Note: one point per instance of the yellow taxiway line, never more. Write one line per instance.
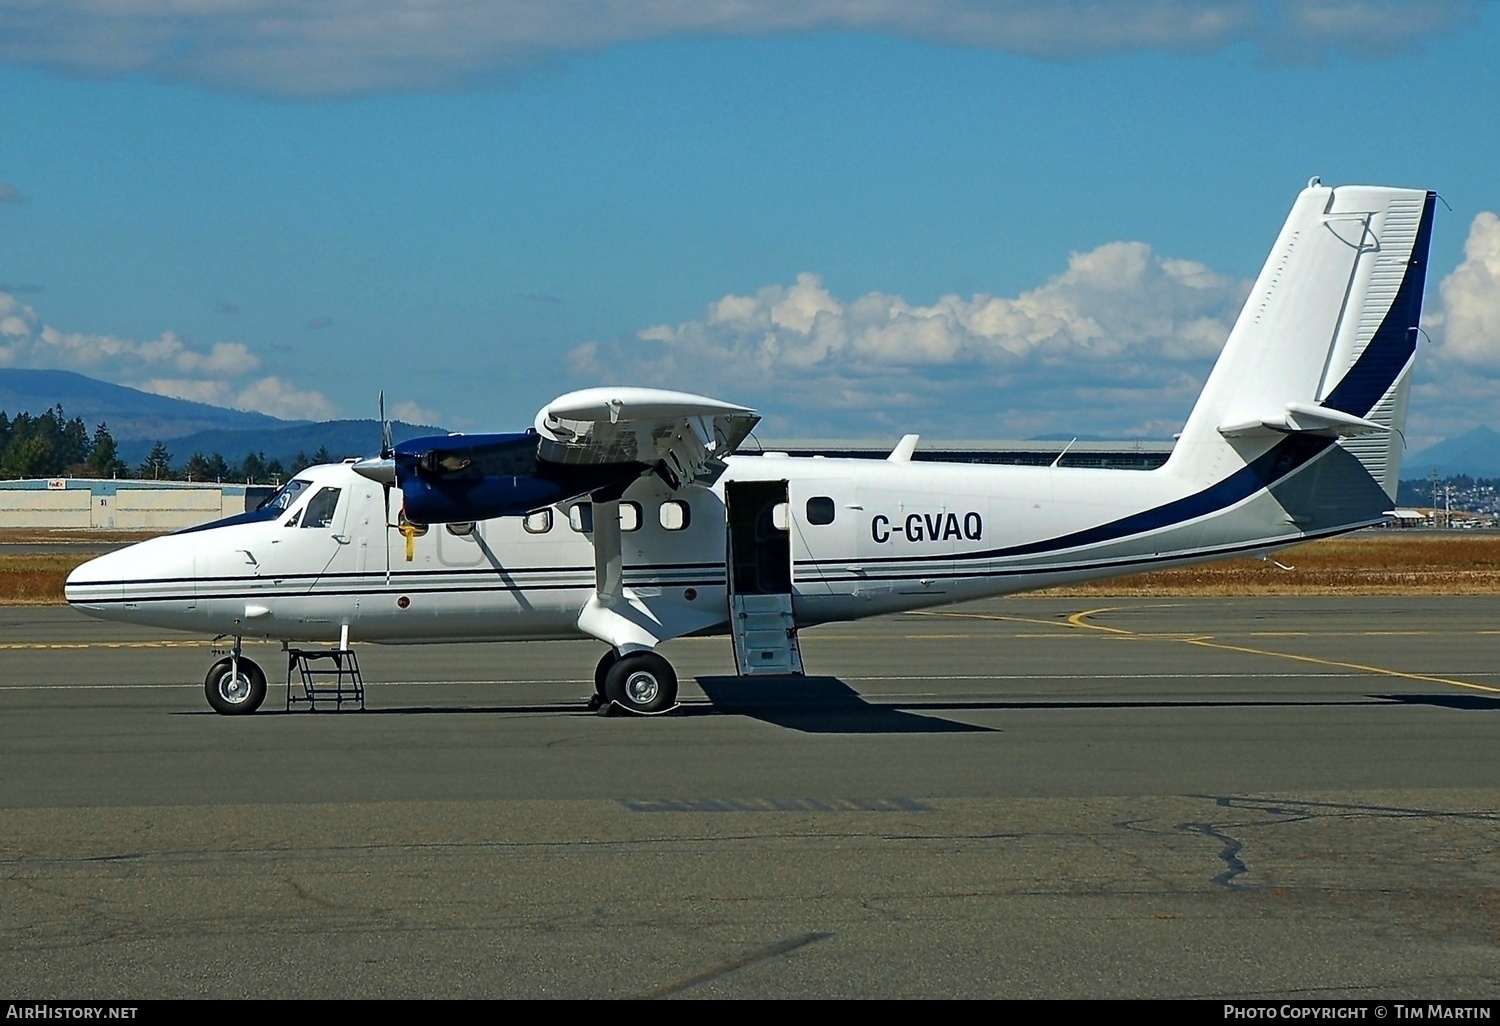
(1080, 620)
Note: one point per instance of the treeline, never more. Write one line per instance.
(51, 445)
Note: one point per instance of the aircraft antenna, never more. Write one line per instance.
(1058, 461)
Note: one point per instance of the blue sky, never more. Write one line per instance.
(479, 206)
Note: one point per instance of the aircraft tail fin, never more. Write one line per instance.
(1325, 343)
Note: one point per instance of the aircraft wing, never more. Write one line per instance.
(684, 437)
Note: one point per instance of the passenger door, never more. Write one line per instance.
(759, 565)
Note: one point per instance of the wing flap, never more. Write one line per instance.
(684, 436)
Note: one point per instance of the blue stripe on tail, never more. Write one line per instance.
(1392, 345)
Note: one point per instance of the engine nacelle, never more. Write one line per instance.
(448, 479)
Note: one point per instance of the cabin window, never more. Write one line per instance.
(321, 508)
(462, 530)
(630, 516)
(675, 515)
(538, 521)
(820, 510)
(781, 518)
(581, 517)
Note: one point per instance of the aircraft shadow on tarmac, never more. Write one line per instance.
(815, 705)
(827, 705)
(1462, 702)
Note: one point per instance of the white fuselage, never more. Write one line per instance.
(1297, 434)
(903, 535)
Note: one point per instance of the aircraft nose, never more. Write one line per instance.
(96, 582)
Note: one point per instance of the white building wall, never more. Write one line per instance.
(74, 504)
(53, 508)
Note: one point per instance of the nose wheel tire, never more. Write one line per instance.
(235, 694)
(641, 682)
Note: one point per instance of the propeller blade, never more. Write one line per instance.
(386, 445)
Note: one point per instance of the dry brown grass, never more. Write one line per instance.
(36, 580)
(90, 536)
(1369, 563)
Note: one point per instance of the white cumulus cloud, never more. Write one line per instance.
(290, 47)
(215, 393)
(1467, 325)
(411, 413)
(281, 398)
(1458, 373)
(222, 374)
(1117, 342)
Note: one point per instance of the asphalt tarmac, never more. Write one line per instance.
(1225, 798)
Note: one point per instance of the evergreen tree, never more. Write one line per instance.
(104, 458)
(74, 447)
(217, 469)
(158, 463)
(26, 456)
(12, 459)
(196, 468)
(253, 468)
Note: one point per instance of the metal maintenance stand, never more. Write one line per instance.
(339, 682)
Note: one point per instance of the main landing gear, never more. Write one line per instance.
(637, 682)
(235, 686)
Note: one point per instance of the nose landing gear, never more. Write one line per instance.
(235, 686)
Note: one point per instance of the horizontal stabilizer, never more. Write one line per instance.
(1303, 418)
(685, 437)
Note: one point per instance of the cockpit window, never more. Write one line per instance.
(274, 509)
(289, 493)
(321, 508)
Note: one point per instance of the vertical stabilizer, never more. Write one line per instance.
(1324, 344)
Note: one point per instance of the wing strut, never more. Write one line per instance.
(611, 614)
(624, 620)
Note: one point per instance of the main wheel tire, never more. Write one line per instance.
(601, 673)
(235, 694)
(642, 682)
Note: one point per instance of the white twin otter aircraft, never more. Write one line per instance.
(624, 516)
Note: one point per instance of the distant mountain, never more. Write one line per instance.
(1475, 452)
(130, 413)
(137, 420)
(341, 437)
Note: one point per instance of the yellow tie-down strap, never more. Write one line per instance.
(409, 531)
